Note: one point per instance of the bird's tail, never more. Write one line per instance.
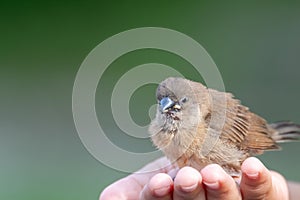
(285, 131)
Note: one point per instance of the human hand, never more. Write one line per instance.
(211, 183)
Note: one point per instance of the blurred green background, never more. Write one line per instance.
(255, 44)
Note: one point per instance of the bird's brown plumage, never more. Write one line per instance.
(211, 127)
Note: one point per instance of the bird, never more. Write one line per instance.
(196, 126)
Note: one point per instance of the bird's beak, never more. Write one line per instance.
(165, 103)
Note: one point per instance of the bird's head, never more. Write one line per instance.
(176, 104)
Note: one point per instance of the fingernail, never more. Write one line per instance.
(189, 188)
(252, 175)
(213, 186)
(160, 192)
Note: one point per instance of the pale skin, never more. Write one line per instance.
(210, 183)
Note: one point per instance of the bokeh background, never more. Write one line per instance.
(255, 44)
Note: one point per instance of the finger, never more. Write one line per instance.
(159, 187)
(161, 165)
(280, 187)
(131, 186)
(218, 184)
(187, 184)
(256, 180)
(294, 190)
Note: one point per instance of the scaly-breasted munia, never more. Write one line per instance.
(196, 126)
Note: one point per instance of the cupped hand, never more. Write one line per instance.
(212, 182)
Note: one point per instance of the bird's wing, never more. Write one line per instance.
(241, 127)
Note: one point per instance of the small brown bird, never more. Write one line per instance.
(196, 126)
